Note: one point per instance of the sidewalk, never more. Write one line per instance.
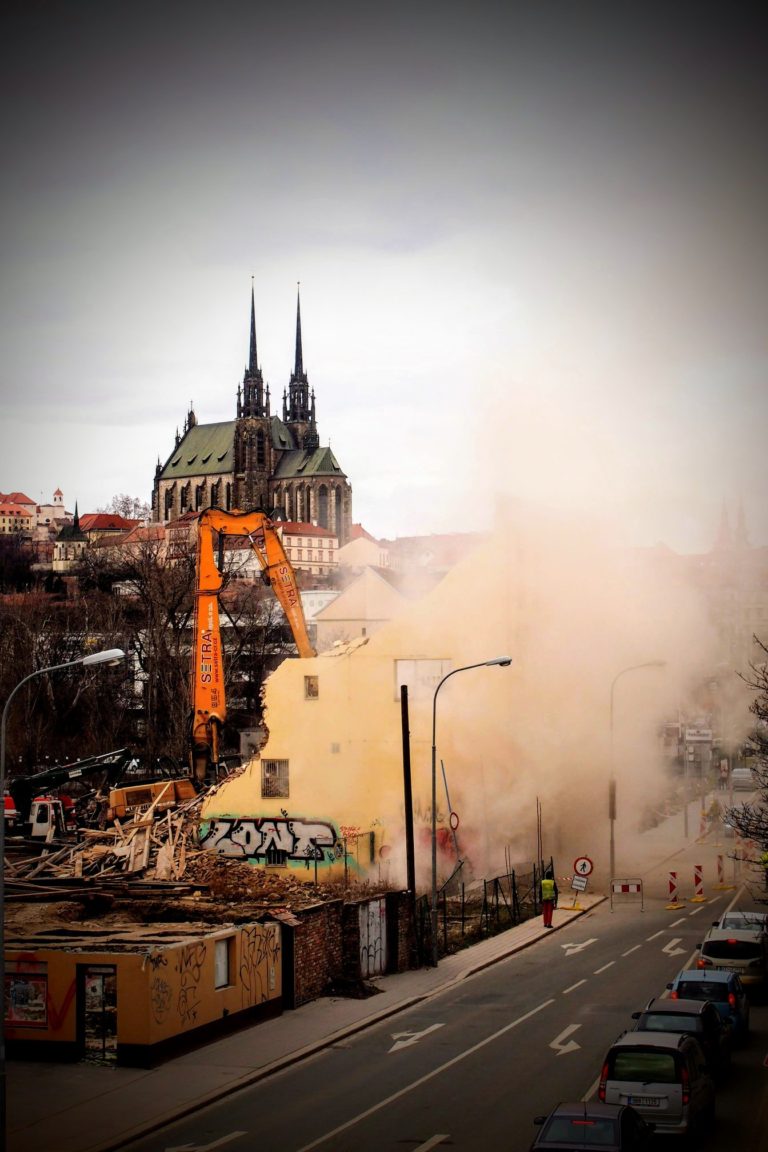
(84, 1108)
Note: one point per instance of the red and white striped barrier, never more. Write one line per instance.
(720, 870)
(674, 897)
(633, 887)
(698, 884)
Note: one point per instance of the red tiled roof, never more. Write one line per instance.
(299, 528)
(359, 533)
(144, 532)
(15, 498)
(102, 521)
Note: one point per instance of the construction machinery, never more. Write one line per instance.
(40, 815)
(209, 709)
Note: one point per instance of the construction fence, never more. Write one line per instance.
(470, 910)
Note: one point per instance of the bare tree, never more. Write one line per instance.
(131, 507)
(156, 597)
(751, 819)
(71, 713)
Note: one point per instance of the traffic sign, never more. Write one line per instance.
(583, 866)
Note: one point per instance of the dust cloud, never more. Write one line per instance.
(579, 615)
(574, 612)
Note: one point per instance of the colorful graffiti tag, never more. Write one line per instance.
(265, 840)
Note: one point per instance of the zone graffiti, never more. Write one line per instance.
(264, 839)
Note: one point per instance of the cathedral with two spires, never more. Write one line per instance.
(259, 461)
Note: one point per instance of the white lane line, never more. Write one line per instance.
(656, 935)
(425, 1079)
(675, 923)
(695, 911)
(431, 1143)
(597, 971)
(631, 950)
(578, 984)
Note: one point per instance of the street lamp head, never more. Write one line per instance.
(111, 656)
(503, 661)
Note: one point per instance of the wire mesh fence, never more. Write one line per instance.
(471, 910)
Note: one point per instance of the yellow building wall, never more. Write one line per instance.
(162, 992)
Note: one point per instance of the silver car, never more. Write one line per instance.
(664, 1076)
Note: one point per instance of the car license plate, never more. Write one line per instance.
(645, 1101)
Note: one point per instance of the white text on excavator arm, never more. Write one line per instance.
(207, 680)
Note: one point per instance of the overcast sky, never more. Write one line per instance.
(531, 240)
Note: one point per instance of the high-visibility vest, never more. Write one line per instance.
(547, 889)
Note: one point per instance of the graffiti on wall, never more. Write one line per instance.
(373, 938)
(266, 840)
(259, 952)
(189, 968)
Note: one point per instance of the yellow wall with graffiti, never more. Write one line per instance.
(161, 992)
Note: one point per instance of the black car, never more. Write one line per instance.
(698, 1017)
(611, 1127)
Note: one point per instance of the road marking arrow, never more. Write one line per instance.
(572, 948)
(411, 1037)
(206, 1147)
(561, 1044)
(670, 949)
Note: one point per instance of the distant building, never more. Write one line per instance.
(259, 461)
(97, 525)
(70, 546)
(15, 520)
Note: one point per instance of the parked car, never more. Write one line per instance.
(738, 919)
(740, 950)
(612, 1127)
(664, 1075)
(724, 989)
(742, 778)
(699, 1018)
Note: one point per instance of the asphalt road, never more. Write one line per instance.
(471, 1067)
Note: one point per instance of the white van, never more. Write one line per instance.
(664, 1076)
(741, 950)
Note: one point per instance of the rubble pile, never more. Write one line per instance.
(153, 843)
(152, 866)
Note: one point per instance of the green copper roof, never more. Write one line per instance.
(320, 462)
(205, 450)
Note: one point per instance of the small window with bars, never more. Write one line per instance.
(274, 778)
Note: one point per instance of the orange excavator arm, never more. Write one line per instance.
(208, 696)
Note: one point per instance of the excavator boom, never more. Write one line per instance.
(208, 693)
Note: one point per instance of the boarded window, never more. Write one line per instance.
(421, 677)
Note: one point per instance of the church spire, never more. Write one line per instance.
(724, 537)
(299, 367)
(251, 402)
(741, 537)
(253, 360)
(298, 412)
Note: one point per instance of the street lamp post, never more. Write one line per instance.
(612, 779)
(111, 656)
(504, 662)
